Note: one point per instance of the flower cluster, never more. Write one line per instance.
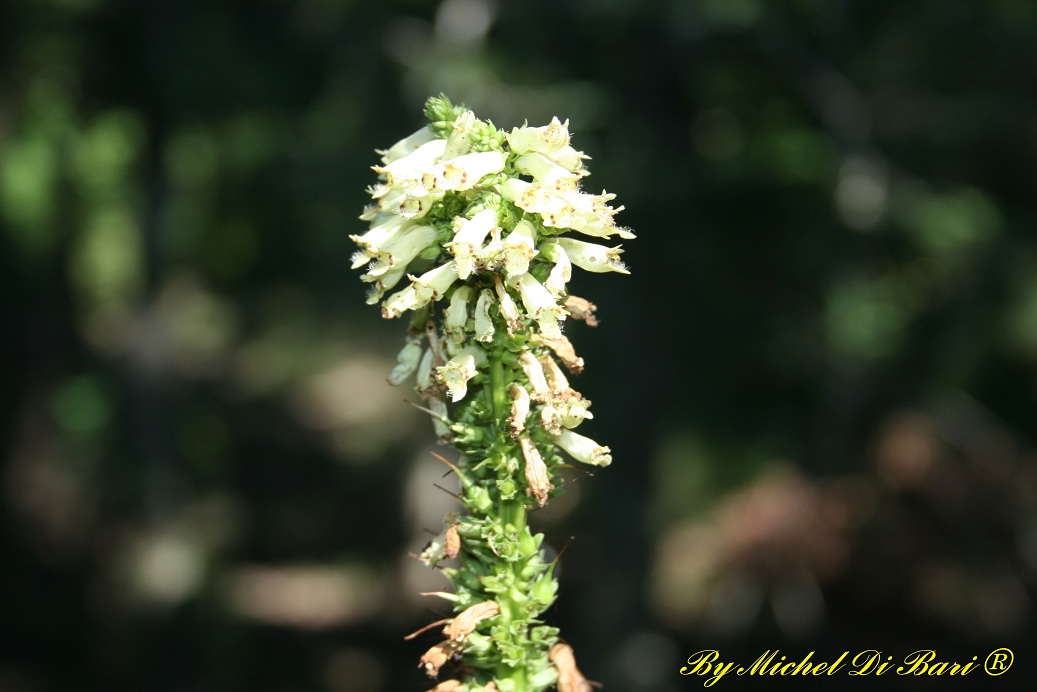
(474, 232)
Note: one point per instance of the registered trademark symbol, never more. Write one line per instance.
(999, 661)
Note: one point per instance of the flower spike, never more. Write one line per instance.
(474, 232)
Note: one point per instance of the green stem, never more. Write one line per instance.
(511, 512)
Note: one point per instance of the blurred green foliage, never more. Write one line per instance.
(208, 485)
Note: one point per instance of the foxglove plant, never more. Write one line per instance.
(477, 221)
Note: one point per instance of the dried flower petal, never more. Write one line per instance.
(537, 477)
(436, 657)
(465, 622)
(570, 679)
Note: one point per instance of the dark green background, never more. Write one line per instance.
(818, 383)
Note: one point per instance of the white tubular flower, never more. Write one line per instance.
(400, 302)
(415, 207)
(384, 282)
(540, 305)
(383, 228)
(456, 315)
(548, 138)
(548, 173)
(532, 197)
(518, 249)
(407, 145)
(507, 306)
(459, 369)
(561, 273)
(401, 249)
(433, 284)
(440, 415)
(557, 380)
(569, 158)
(593, 258)
(468, 239)
(583, 449)
(574, 411)
(463, 172)
(424, 289)
(424, 378)
(535, 374)
(491, 255)
(406, 362)
(484, 328)
(519, 408)
(413, 164)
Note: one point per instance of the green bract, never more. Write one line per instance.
(471, 235)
